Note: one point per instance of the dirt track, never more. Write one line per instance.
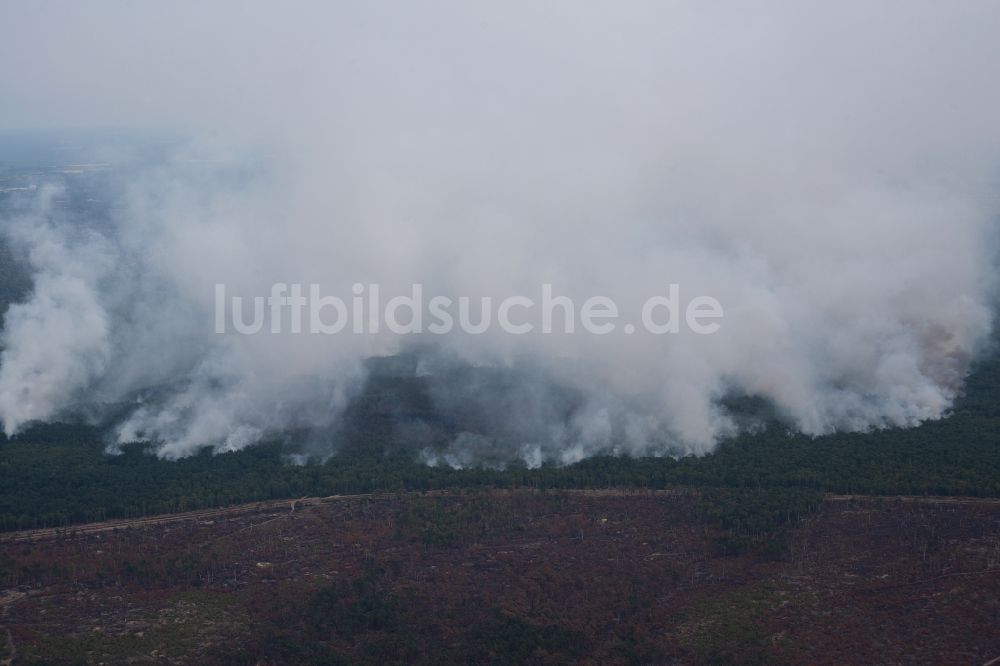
(288, 505)
(270, 506)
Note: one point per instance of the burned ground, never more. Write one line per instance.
(513, 577)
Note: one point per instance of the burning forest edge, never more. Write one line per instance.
(59, 474)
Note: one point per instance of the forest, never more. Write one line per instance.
(59, 474)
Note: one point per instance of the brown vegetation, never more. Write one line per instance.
(510, 577)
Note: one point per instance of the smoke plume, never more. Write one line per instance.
(828, 173)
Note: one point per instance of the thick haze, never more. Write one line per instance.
(828, 171)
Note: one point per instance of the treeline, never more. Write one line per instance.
(59, 474)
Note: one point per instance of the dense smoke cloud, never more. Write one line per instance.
(827, 172)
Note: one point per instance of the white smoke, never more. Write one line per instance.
(55, 344)
(827, 172)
